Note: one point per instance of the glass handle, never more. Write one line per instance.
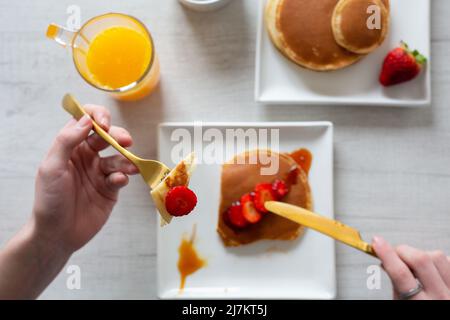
(61, 35)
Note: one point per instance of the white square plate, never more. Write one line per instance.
(300, 269)
(279, 80)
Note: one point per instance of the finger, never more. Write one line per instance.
(423, 267)
(442, 265)
(402, 278)
(115, 181)
(117, 163)
(122, 136)
(68, 138)
(100, 114)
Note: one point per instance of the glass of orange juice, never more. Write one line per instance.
(113, 52)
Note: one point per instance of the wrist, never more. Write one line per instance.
(48, 245)
(31, 260)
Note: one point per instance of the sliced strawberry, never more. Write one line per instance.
(248, 208)
(280, 188)
(263, 193)
(234, 216)
(180, 201)
(401, 65)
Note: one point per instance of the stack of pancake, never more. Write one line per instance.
(240, 175)
(326, 35)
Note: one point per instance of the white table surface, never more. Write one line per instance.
(392, 165)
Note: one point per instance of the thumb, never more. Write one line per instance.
(70, 137)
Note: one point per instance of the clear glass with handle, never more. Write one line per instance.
(113, 52)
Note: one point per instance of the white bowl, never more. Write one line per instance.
(204, 5)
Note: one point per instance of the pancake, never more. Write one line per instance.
(350, 29)
(178, 176)
(239, 176)
(301, 30)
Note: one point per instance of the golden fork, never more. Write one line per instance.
(152, 171)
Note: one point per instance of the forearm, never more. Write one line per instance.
(28, 263)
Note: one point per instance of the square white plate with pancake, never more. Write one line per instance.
(280, 81)
(304, 268)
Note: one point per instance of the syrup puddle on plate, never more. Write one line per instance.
(304, 158)
(189, 260)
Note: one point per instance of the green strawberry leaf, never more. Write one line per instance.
(420, 58)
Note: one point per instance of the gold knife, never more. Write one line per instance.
(329, 227)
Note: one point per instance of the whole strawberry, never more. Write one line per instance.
(401, 65)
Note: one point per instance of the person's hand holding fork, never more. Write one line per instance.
(75, 192)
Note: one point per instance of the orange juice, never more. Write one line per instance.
(113, 52)
(118, 56)
(144, 87)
